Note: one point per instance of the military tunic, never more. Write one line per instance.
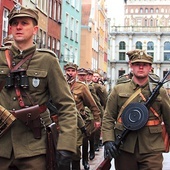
(45, 80)
(149, 138)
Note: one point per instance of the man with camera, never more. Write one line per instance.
(28, 79)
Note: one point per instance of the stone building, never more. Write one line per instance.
(146, 26)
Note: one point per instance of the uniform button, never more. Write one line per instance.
(13, 109)
(14, 98)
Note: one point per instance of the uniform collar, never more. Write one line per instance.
(22, 54)
(136, 86)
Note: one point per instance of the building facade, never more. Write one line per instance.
(146, 26)
(70, 32)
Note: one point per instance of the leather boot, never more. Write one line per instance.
(85, 154)
(75, 165)
(92, 151)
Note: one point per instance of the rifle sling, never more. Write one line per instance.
(128, 101)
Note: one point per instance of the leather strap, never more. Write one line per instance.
(128, 101)
(9, 62)
(149, 123)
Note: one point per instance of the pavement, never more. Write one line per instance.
(99, 158)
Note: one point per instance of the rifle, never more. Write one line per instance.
(143, 108)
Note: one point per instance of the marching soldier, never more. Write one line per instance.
(83, 99)
(28, 78)
(142, 148)
(102, 95)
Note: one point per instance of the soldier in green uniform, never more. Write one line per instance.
(142, 149)
(83, 99)
(28, 78)
(91, 85)
(102, 95)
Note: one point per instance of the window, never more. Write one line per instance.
(122, 52)
(122, 45)
(146, 23)
(67, 25)
(77, 31)
(138, 45)
(55, 10)
(44, 40)
(73, 3)
(5, 23)
(121, 72)
(146, 10)
(122, 56)
(167, 51)
(151, 10)
(59, 12)
(72, 29)
(49, 42)
(141, 10)
(150, 48)
(50, 8)
(66, 53)
(54, 45)
(77, 5)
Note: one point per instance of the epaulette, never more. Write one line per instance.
(120, 81)
(47, 51)
(5, 48)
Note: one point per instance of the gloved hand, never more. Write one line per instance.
(110, 150)
(83, 131)
(63, 157)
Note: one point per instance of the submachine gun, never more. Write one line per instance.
(134, 117)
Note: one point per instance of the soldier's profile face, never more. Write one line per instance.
(71, 72)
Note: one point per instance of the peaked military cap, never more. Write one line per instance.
(139, 56)
(89, 71)
(20, 11)
(81, 71)
(70, 65)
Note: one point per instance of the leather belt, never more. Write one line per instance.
(149, 123)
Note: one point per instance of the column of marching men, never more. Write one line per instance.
(90, 96)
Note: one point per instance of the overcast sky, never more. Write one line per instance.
(116, 10)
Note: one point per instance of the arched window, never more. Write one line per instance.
(122, 45)
(139, 45)
(150, 48)
(122, 50)
(167, 51)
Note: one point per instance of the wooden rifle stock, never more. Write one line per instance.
(105, 165)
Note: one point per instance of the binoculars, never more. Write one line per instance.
(17, 78)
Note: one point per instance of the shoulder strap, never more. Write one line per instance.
(151, 108)
(9, 62)
(128, 101)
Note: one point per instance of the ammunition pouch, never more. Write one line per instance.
(30, 116)
(6, 120)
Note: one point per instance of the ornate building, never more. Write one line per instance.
(146, 26)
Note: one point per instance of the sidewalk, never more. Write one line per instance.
(99, 158)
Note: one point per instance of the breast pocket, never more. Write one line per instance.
(3, 72)
(122, 98)
(37, 79)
